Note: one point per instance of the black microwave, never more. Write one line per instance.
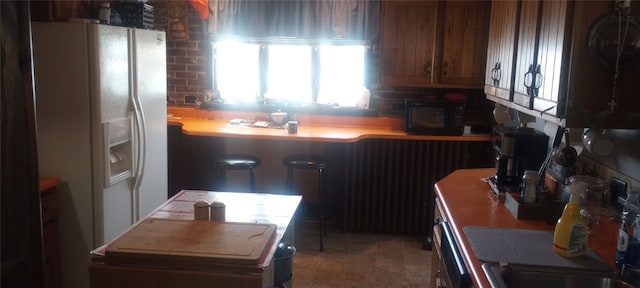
(433, 117)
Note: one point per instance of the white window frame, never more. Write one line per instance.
(345, 96)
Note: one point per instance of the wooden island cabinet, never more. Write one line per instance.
(434, 43)
(169, 248)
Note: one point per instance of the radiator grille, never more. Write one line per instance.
(389, 185)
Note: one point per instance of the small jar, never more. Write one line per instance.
(217, 211)
(529, 187)
(201, 210)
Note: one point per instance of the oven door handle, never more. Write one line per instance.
(458, 275)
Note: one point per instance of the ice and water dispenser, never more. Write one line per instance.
(118, 150)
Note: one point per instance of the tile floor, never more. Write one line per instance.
(358, 260)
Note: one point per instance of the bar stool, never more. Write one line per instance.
(237, 162)
(308, 161)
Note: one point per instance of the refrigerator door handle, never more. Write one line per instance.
(141, 138)
(140, 124)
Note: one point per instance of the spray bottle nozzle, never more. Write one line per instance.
(576, 191)
(627, 205)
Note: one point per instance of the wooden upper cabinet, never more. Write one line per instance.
(465, 34)
(542, 51)
(565, 60)
(434, 43)
(526, 53)
(501, 49)
(408, 34)
(552, 55)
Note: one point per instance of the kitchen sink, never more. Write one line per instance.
(525, 276)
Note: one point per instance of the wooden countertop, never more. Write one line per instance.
(467, 200)
(317, 128)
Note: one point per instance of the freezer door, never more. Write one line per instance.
(110, 97)
(150, 89)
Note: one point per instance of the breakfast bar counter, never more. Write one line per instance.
(368, 158)
(316, 128)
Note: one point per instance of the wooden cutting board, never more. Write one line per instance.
(172, 242)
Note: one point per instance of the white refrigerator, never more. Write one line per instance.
(101, 127)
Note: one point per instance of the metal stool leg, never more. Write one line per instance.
(323, 230)
(252, 179)
(221, 181)
(289, 184)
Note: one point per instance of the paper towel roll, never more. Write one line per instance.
(550, 129)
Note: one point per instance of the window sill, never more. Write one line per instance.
(298, 109)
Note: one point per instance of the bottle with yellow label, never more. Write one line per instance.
(571, 235)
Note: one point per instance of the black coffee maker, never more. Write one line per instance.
(519, 149)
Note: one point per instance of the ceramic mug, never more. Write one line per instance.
(292, 127)
(598, 142)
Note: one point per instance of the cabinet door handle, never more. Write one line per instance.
(427, 68)
(445, 68)
(496, 74)
(538, 80)
(439, 282)
(528, 80)
(538, 77)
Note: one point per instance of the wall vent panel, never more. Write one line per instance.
(389, 183)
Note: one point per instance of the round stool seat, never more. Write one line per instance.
(236, 162)
(305, 161)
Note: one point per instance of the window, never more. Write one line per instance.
(237, 71)
(341, 75)
(289, 73)
(298, 73)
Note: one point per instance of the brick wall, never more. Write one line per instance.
(187, 49)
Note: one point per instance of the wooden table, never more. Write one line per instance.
(240, 207)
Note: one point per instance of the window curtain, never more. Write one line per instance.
(305, 19)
